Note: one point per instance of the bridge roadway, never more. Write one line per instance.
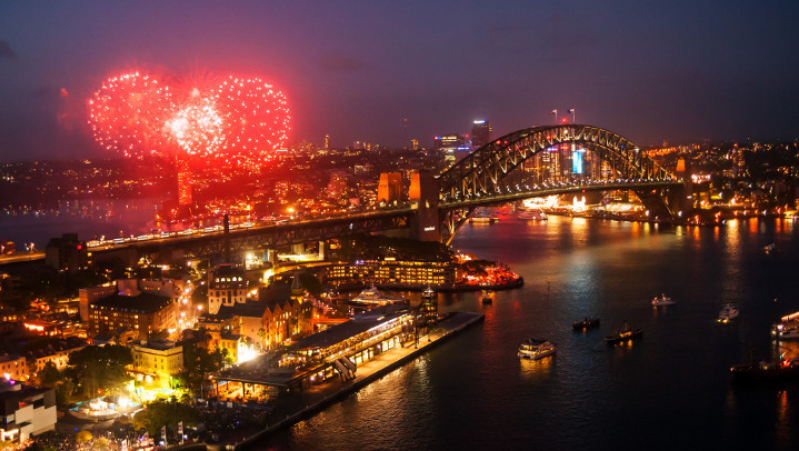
(273, 235)
(549, 189)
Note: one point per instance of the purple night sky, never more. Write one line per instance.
(680, 70)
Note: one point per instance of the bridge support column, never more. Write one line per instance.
(424, 191)
(271, 257)
(322, 245)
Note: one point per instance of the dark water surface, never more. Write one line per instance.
(670, 390)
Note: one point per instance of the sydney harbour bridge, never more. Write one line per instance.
(533, 162)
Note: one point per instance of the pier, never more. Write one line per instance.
(296, 406)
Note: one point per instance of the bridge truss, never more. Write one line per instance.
(547, 160)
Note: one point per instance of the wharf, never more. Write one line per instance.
(293, 407)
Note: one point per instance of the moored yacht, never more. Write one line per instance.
(623, 335)
(662, 300)
(373, 296)
(787, 328)
(534, 349)
(727, 313)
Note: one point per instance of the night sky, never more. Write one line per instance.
(649, 70)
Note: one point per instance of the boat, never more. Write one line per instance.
(624, 335)
(487, 298)
(770, 247)
(766, 373)
(586, 324)
(787, 328)
(727, 313)
(373, 296)
(662, 300)
(536, 215)
(483, 215)
(535, 349)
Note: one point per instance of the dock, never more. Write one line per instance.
(294, 407)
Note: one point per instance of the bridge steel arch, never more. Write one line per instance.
(478, 177)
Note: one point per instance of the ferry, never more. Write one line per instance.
(586, 324)
(727, 313)
(373, 296)
(766, 373)
(662, 300)
(787, 328)
(624, 335)
(535, 215)
(483, 215)
(534, 349)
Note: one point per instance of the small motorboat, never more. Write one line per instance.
(727, 313)
(535, 349)
(586, 324)
(487, 297)
(770, 248)
(662, 300)
(624, 335)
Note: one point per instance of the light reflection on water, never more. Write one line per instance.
(669, 390)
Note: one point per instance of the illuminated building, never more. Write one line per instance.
(184, 184)
(414, 144)
(14, 367)
(226, 286)
(25, 411)
(337, 187)
(39, 352)
(143, 312)
(327, 142)
(158, 359)
(389, 189)
(392, 272)
(338, 349)
(453, 146)
(481, 133)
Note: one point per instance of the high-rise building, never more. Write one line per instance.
(481, 133)
(414, 144)
(327, 142)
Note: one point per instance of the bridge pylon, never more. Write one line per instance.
(424, 192)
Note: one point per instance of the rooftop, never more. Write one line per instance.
(344, 331)
(142, 303)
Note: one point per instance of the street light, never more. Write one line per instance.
(572, 111)
(555, 112)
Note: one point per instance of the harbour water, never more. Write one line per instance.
(669, 390)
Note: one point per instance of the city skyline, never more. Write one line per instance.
(392, 73)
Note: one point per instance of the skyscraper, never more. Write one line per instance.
(481, 133)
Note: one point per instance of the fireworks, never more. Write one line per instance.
(198, 128)
(128, 114)
(136, 114)
(258, 115)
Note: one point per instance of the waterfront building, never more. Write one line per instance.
(392, 272)
(144, 312)
(226, 286)
(156, 359)
(25, 411)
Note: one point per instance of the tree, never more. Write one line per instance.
(160, 413)
(101, 367)
(199, 362)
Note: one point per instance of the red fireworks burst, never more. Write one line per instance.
(198, 127)
(128, 113)
(135, 114)
(257, 114)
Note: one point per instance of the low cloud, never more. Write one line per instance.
(6, 52)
